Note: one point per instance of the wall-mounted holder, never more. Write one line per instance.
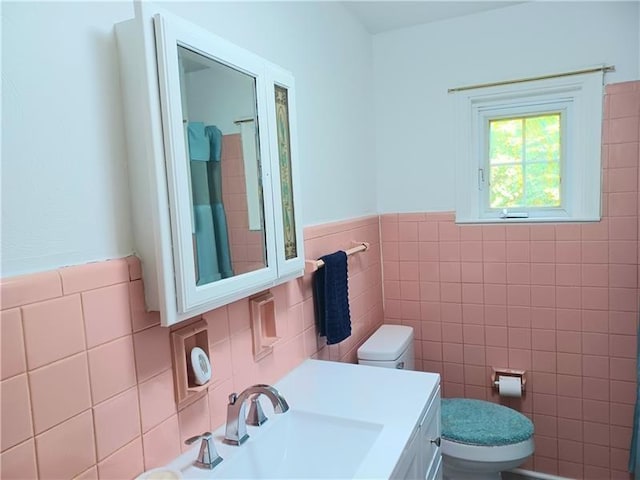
(311, 266)
(186, 381)
(263, 324)
(508, 382)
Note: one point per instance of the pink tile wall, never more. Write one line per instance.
(560, 301)
(86, 383)
(247, 246)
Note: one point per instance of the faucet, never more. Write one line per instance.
(236, 429)
(208, 456)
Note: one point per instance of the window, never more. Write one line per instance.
(530, 151)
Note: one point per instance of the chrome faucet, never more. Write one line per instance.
(208, 456)
(236, 429)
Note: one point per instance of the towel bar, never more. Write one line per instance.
(313, 265)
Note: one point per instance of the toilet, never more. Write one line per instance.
(479, 438)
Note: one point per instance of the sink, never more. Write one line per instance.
(344, 422)
(297, 444)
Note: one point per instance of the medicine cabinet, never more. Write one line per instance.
(211, 134)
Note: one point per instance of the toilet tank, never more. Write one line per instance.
(391, 346)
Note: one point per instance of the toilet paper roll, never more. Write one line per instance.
(509, 387)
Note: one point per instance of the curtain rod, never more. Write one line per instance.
(604, 68)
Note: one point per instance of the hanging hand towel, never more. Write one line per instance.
(331, 293)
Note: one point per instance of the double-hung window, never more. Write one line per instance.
(530, 151)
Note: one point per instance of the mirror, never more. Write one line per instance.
(220, 123)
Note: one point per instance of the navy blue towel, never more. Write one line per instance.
(331, 294)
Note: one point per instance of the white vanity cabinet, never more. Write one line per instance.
(421, 458)
(211, 134)
(344, 421)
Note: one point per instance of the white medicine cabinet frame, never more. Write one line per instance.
(163, 175)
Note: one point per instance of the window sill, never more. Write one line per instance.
(528, 220)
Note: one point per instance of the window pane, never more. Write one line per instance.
(543, 184)
(542, 136)
(505, 141)
(506, 186)
(524, 161)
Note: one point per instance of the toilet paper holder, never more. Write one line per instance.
(507, 372)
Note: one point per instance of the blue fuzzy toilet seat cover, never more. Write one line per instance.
(477, 422)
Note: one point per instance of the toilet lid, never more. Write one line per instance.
(477, 422)
(387, 343)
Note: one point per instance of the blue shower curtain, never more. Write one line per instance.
(214, 175)
(206, 256)
(634, 454)
(213, 257)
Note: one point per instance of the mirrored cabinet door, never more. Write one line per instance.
(212, 107)
(220, 122)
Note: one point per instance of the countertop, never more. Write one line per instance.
(392, 398)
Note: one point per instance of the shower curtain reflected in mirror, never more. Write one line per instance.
(212, 253)
(214, 175)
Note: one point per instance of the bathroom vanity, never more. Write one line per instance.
(344, 421)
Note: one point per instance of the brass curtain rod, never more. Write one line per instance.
(604, 68)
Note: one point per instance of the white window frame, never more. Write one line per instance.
(579, 100)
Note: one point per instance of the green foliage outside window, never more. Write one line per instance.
(524, 161)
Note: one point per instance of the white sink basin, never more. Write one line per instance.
(345, 422)
(297, 444)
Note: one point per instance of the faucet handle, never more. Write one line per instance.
(208, 455)
(256, 416)
(204, 436)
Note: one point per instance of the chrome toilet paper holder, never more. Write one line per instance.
(507, 372)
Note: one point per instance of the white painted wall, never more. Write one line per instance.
(330, 55)
(64, 184)
(414, 67)
(64, 176)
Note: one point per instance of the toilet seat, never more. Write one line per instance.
(480, 439)
(477, 422)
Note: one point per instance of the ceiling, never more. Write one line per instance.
(382, 16)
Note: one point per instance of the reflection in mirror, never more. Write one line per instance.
(221, 135)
